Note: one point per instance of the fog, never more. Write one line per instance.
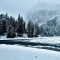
(14, 7)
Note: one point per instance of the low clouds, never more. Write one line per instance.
(20, 6)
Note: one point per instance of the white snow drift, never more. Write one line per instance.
(9, 52)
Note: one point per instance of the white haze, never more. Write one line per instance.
(14, 7)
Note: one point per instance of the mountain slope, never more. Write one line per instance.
(51, 28)
(42, 12)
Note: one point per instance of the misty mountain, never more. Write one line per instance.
(42, 12)
(51, 27)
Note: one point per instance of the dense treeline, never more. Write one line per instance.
(12, 28)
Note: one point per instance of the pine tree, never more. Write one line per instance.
(36, 29)
(24, 30)
(11, 28)
(20, 26)
(30, 29)
(4, 26)
(1, 25)
(12, 21)
(11, 32)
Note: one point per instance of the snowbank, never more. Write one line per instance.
(9, 52)
(4, 38)
(53, 40)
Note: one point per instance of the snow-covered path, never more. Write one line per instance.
(13, 52)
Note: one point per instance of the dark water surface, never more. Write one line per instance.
(55, 47)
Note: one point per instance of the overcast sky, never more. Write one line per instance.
(14, 7)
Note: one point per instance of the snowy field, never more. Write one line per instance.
(15, 52)
(52, 40)
(55, 39)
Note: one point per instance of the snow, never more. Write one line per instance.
(4, 38)
(53, 40)
(15, 52)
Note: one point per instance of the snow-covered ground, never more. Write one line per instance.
(55, 39)
(47, 39)
(4, 38)
(15, 52)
